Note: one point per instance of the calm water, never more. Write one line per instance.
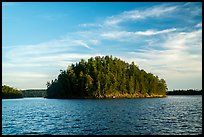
(171, 115)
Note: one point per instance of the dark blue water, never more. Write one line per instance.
(174, 115)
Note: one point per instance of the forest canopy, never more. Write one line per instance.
(105, 77)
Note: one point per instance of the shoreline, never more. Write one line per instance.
(117, 96)
(129, 96)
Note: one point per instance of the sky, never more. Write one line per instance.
(41, 38)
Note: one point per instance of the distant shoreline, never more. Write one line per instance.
(185, 92)
(33, 94)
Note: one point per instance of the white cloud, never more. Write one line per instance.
(187, 41)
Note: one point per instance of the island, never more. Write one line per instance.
(105, 77)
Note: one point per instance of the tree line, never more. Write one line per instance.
(101, 77)
(34, 93)
(185, 92)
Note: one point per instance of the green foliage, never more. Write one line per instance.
(10, 92)
(101, 76)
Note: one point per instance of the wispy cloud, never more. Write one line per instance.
(81, 42)
(43, 54)
(127, 35)
(113, 21)
(134, 15)
(153, 32)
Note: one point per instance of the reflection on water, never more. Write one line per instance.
(38, 116)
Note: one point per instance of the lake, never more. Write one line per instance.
(173, 115)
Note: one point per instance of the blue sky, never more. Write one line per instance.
(39, 39)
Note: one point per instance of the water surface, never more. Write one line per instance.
(173, 115)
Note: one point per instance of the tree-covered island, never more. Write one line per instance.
(105, 77)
